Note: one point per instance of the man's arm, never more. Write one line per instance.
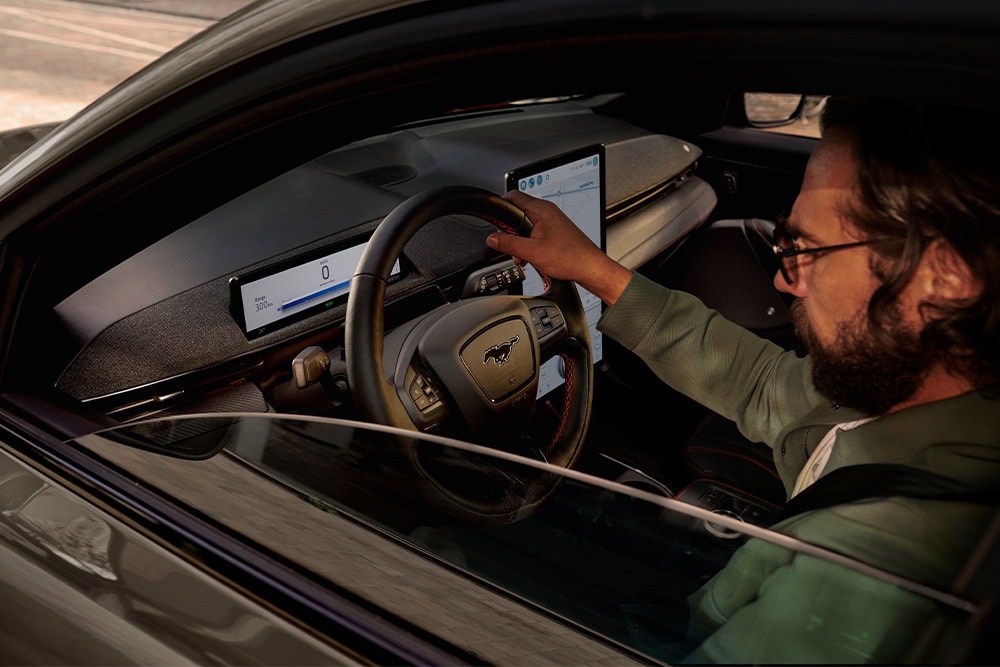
(560, 250)
(716, 362)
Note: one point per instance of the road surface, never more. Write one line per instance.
(57, 56)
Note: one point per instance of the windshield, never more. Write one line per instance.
(505, 556)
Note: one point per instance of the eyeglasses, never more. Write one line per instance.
(783, 245)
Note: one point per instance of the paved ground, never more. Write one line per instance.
(204, 9)
(57, 56)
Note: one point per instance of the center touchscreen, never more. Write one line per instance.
(574, 181)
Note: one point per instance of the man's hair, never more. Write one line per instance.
(927, 173)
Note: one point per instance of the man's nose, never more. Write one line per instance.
(796, 289)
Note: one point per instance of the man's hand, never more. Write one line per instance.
(560, 250)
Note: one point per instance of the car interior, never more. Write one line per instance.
(295, 228)
(277, 232)
(167, 332)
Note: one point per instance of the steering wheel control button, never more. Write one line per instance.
(493, 279)
(423, 393)
(501, 359)
(546, 320)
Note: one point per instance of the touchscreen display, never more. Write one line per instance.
(574, 181)
(273, 297)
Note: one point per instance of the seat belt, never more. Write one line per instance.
(881, 480)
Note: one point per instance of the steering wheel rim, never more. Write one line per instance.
(380, 390)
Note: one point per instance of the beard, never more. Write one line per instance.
(856, 370)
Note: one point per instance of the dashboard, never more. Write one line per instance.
(235, 294)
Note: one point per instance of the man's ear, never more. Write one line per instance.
(943, 276)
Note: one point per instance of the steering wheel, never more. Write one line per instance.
(472, 365)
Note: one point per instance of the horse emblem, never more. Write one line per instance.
(500, 353)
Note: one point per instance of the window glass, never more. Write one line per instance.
(500, 553)
(785, 113)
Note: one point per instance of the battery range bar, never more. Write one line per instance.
(314, 295)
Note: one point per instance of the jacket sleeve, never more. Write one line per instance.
(698, 352)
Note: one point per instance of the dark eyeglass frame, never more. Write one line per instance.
(787, 263)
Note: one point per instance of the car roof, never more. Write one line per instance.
(773, 41)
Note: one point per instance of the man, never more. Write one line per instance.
(892, 250)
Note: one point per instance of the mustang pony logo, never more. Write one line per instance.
(500, 353)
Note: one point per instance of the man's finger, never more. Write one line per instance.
(500, 241)
(520, 199)
(504, 243)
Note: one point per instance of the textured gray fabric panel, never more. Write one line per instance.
(644, 163)
(244, 397)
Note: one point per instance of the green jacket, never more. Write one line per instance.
(769, 604)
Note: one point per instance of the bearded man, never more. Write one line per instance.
(892, 252)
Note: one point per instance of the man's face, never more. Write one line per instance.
(850, 366)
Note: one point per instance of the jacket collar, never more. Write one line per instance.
(954, 437)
